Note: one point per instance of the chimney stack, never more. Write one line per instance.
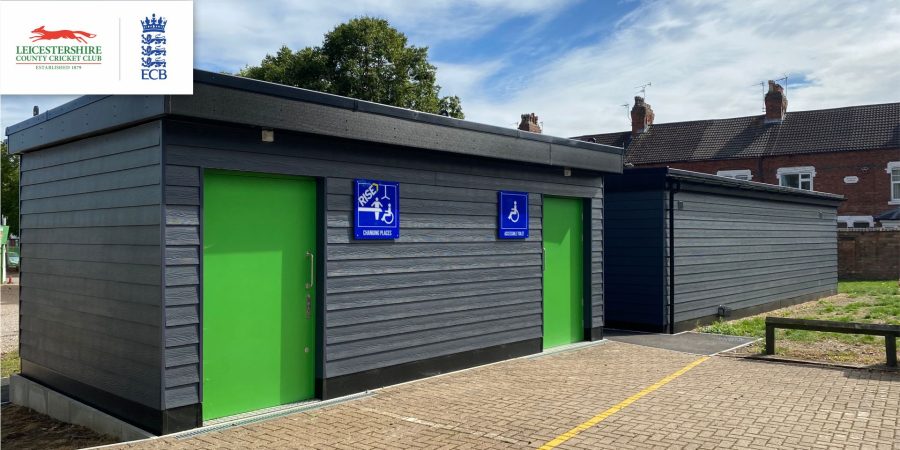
(776, 103)
(641, 116)
(530, 123)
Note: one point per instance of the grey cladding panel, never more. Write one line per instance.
(447, 285)
(136, 196)
(182, 284)
(138, 176)
(142, 136)
(91, 260)
(148, 156)
(745, 252)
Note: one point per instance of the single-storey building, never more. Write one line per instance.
(188, 258)
(686, 248)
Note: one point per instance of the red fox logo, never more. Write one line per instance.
(45, 35)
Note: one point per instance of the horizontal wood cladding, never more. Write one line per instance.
(448, 284)
(91, 271)
(182, 285)
(744, 252)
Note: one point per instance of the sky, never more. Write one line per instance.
(575, 63)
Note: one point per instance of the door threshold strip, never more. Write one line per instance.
(566, 348)
(265, 414)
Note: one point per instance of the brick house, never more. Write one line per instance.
(852, 151)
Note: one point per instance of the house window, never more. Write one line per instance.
(797, 177)
(893, 169)
(743, 174)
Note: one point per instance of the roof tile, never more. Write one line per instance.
(866, 127)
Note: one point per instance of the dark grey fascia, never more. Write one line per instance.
(82, 117)
(704, 181)
(267, 105)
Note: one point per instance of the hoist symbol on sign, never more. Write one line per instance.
(514, 213)
(386, 216)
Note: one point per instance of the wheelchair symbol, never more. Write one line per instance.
(388, 216)
(514, 213)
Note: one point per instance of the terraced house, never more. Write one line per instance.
(852, 151)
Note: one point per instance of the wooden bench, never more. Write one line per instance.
(890, 332)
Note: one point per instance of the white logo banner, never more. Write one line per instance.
(96, 47)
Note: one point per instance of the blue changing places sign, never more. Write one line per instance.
(377, 209)
(512, 221)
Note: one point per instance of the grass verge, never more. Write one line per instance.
(857, 301)
(10, 363)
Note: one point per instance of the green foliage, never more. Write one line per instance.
(9, 188)
(364, 58)
(753, 327)
(10, 363)
(450, 106)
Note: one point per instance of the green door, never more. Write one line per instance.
(259, 236)
(562, 232)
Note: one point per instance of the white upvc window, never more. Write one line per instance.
(893, 169)
(743, 174)
(797, 177)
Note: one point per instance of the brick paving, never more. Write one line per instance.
(722, 403)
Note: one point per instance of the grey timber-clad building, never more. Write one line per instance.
(685, 248)
(180, 252)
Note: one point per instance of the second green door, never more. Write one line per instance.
(563, 267)
(259, 239)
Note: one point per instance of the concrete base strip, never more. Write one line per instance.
(621, 405)
(44, 400)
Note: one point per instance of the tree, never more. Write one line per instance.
(9, 188)
(364, 58)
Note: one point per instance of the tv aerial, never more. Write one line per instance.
(643, 88)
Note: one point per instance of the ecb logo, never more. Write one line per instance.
(153, 48)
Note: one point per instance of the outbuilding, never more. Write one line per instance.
(189, 258)
(686, 248)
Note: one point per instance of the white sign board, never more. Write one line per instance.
(96, 47)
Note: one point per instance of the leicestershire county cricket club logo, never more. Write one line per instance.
(153, 48)
(45, 35)
(62, 55)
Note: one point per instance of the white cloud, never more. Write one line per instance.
(227, 40)
(704, 57)
(470, 78)
(230, 34)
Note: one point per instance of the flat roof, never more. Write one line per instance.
(661, 177)
(262, 104)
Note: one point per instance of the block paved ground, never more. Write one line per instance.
(724, 402)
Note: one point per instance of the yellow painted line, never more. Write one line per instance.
(618, 407)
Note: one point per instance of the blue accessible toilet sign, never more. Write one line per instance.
(377, 209)
(512, 221)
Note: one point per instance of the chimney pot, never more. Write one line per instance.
(641, 116)
(776, 103)
(530, 123)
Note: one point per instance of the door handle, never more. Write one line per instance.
(312, 270)
(543, 252)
